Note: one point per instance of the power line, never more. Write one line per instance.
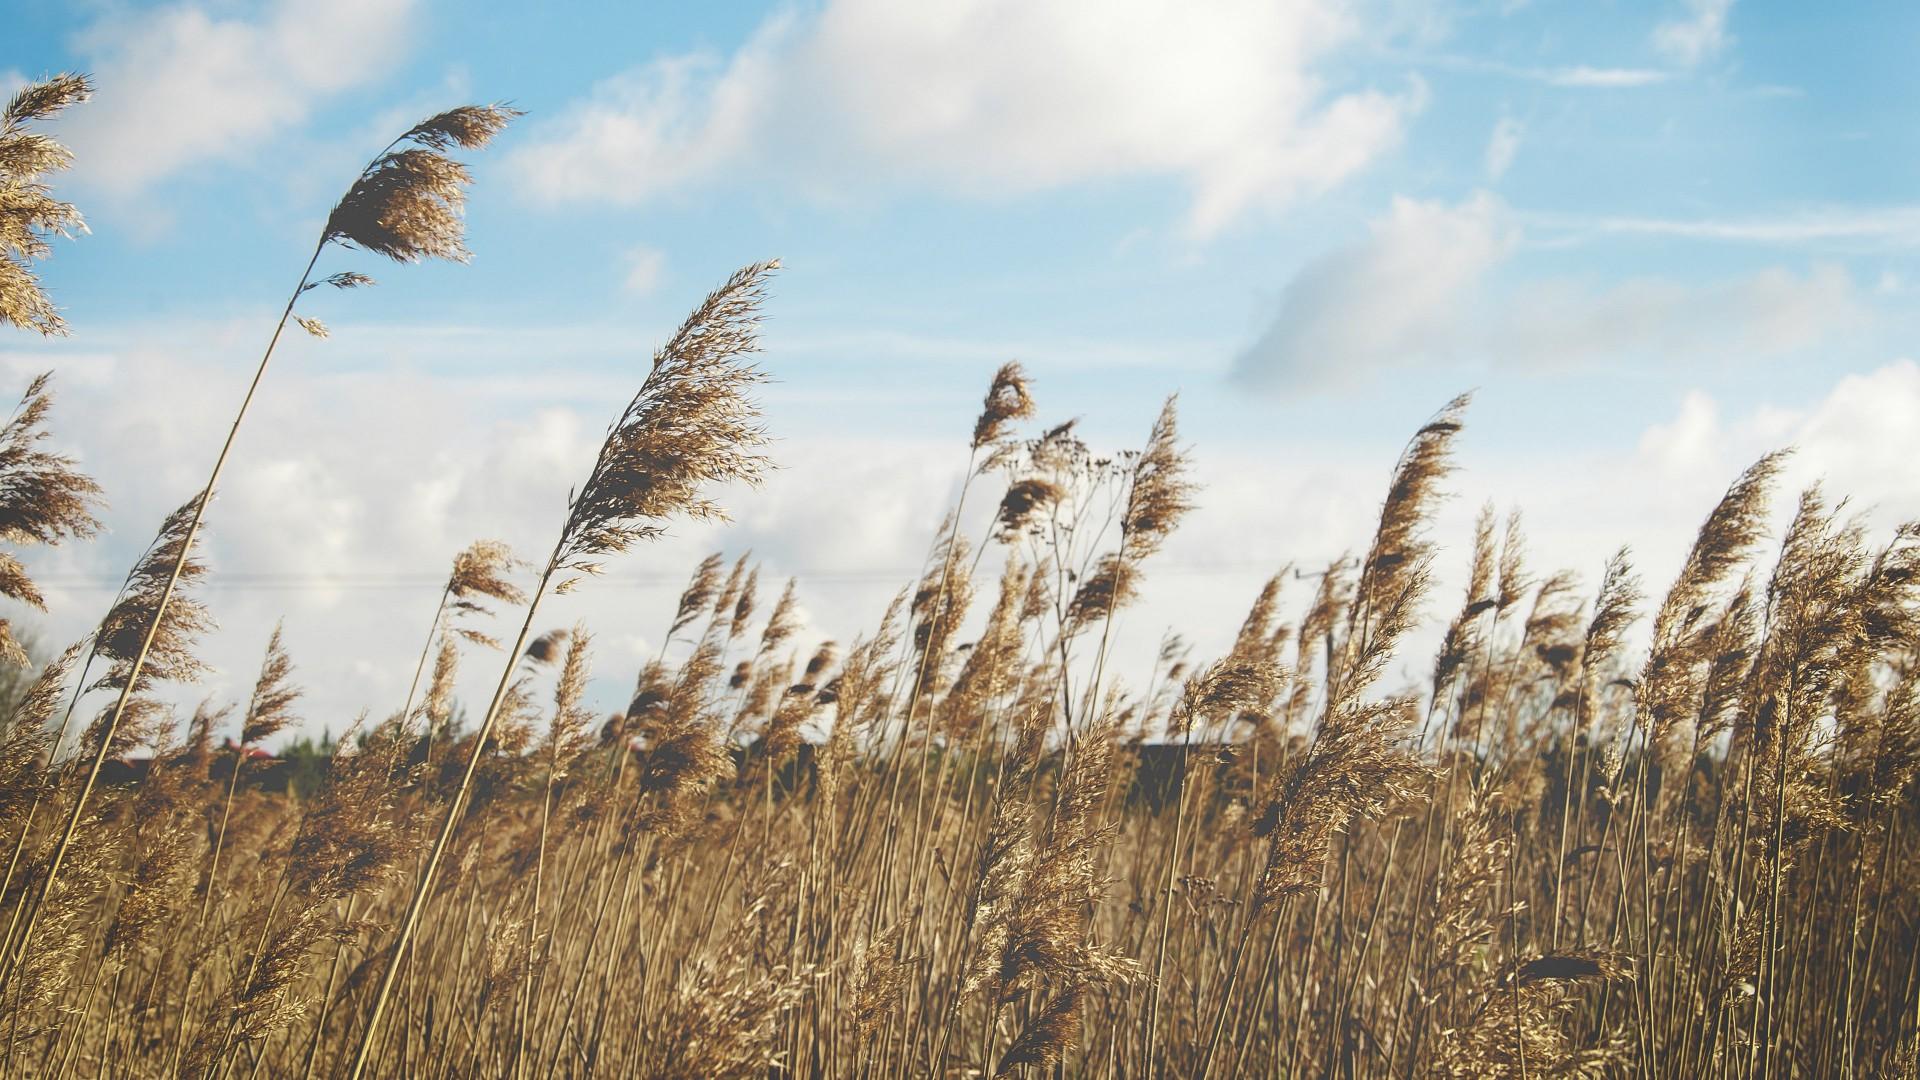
(293, 581)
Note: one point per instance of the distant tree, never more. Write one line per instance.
(306, 762)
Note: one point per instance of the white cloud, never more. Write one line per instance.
(1419, 289)
(1698, 36)
(351, 492)
(1502, 145)
(1890, 226)
(1605, 78)
(1857, 440)
(644, 267)
(1865, 436)
(985, 97)
(187, 83)
(649, 131)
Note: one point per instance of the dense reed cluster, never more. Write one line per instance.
(1606, 837)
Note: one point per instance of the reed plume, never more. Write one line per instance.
(269, 711)
(404, 205)
(1681, 852)
(26, 741)
(140, 626)
(1395, 573)
(1355, 765)
(1614, 610)
(168, 631)
(436, 709)
(1464, 633)
(721, 1019)
(782, 622)
(1159, 491)
(166, 848)
(1159, 495)
(691, 426)
(480, 574)
(27, 747)
(991, 666)
(1671, 678)
(858, 698)
(1008, 400)
(699, 593)
(1516, 1021)
(30, 217)
(44, 499)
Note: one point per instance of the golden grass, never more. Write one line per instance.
(965, 844)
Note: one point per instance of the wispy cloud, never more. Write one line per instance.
(1602, 77)
(1698, 36)
(1502, 145)
(1873, 227)
(644, 267)
(1569, 76)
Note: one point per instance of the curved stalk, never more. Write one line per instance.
(411, 921)
(112, 726)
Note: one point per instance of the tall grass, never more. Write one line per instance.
(970, 841)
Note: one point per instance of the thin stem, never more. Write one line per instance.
(112, 726)
(425, 651)
(410, 923)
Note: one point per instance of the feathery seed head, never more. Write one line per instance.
(271, 708)
(171, 658)
(1110, 587)
(1007, 400)
(744, 603)
(546, 648)
(407, 204)
(29, 214)
(436, 708)
(699, 593)
(25, 740)
(1160, 493)
(782, 623)
(38, 101)
(822, 660)
(1395, 574)
(692, 426)
(43, 500)
(469, 127)
(1023, 501)
(481, 571)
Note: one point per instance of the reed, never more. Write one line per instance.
(1537, 865)
(1595, 838)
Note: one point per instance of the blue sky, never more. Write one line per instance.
(1658, 237)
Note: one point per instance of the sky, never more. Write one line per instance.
(1657, 239)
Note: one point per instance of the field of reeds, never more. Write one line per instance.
(1625, 829)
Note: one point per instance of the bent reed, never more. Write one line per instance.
(966, 842)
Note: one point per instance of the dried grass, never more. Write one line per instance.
(973, 843)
